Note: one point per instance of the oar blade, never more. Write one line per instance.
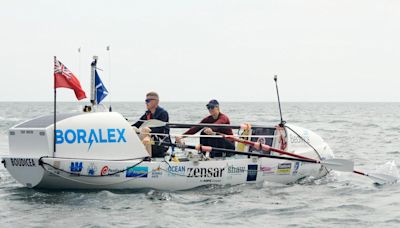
(337, 164)
(381, 179)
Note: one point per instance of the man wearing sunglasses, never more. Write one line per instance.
(215, 117)
(155, 112)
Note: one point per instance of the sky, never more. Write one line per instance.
(321, 50)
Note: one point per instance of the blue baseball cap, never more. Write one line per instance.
(212, 104)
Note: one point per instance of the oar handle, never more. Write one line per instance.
(264, 147)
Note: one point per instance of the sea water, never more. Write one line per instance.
(367, 133)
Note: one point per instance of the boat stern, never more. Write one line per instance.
(26, 171)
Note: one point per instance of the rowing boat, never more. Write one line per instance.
(101, 151)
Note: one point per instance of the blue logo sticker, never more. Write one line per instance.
(138, 171)
(92, 169)
(110, 135)
(76, 167)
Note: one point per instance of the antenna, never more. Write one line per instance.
(109, 74)
(79, 61)
(279, 101)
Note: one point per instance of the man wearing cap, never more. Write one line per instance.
(155, 112)
(215, 117)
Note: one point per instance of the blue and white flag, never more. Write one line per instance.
(101, 91)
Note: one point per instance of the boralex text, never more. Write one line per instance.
(71, 136)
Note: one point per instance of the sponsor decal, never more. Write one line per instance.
(284, 168)
(30, 162)
(205, 172)
(266, 170)
(296, 168)
(76, 167)
(114, 172)
(92, 169)
(137, 171)
(252, 172)
(236, 170)
(296, 139)
(109, 135)
(107, 171)
(155, 173)
(104, 171)
(176, 170)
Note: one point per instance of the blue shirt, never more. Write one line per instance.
(159, 114)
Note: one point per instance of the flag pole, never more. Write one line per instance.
(109, 74)
(55, 108)
(92, 84)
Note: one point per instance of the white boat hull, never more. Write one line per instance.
(61, 173)
(90, 147)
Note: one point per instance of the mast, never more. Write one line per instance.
(54, 112)
(92, 84)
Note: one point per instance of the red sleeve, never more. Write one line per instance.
(194, 130)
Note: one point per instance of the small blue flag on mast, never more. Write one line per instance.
(101, 91)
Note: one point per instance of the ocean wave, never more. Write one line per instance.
(338, 121)
(393, 129)
(396, 221)
(10, 119)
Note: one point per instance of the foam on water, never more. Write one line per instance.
(365, 133)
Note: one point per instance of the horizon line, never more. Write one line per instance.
(136, 101)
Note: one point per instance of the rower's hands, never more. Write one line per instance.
(179, 140)
(136, 130)
(209, 131)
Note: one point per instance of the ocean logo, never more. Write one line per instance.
(176, 170)
(110, 135)
(137, 171)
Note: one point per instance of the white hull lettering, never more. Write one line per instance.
(23, 162)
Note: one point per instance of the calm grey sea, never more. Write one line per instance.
(368, 133)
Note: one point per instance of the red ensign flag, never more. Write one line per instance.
(63, 78)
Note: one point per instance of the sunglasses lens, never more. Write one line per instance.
(210, 107)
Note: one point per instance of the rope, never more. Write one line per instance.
(41, 163)
(319, 156)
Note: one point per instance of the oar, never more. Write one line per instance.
(260, 146)
(159, 123)
(378, 178)
(335, 164)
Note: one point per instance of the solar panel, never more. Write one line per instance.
(45, 121)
